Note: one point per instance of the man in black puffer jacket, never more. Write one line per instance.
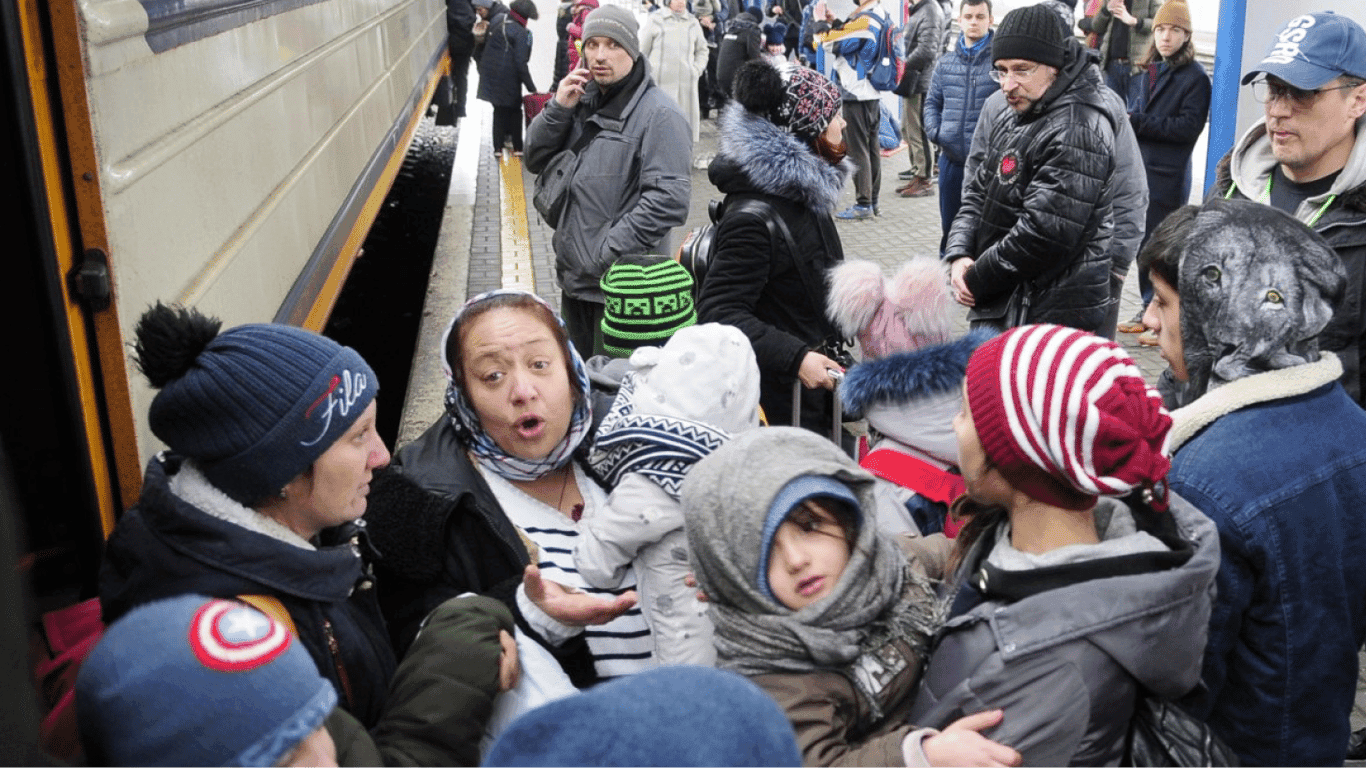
(1029, 244)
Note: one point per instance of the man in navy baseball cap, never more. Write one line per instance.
(1304, 157)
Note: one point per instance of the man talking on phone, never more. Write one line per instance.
(631, 182)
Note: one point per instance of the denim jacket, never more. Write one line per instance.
(1278, 460)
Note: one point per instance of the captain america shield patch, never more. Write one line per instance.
(231, 637)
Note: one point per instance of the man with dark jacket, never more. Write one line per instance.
(1030, 243)
(742, 42)
(923, 38)
(959, 86)
(460, 20)
(633, 178)
(1307, 157)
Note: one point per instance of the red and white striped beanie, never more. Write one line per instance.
(1066, 415)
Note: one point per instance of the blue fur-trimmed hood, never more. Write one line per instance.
(901, 378)
(775, 162)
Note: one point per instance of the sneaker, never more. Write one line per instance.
(856, 213)
(1148, 339)
(906, 175)
(1132, 326)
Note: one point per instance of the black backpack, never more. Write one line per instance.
(698, 246)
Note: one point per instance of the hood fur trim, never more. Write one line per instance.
(192, 487)
(778, 163)
(901, 378)
(1251, 390)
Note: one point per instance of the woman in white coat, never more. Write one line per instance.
(676, 48)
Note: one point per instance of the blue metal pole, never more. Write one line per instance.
(1228, 62)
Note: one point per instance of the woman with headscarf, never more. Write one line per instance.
(781, 165)
(488, 499)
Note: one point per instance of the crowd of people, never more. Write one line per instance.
(632, 538)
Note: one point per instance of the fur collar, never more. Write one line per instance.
(901, 378)
(1251, 390)
(193, 488)
(778, 163)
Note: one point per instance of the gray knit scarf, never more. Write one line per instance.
(879, 597)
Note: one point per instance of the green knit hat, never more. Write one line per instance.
(645, 305)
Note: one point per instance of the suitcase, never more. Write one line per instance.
(533, 103)
(837, 422)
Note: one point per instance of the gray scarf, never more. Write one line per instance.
(878, 599)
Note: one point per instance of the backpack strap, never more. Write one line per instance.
(909, 472)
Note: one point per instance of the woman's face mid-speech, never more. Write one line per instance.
(517, 381)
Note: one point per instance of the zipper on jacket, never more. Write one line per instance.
(342, 677)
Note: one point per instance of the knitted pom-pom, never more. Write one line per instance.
(856, 292)
(920, 293)
(169, 339)
(758, 87)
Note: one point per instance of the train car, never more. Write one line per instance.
(224, 154)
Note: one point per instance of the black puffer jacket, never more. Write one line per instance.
(1037, 208)
(165, 547)
(755, 282)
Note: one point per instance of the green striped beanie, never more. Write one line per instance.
(644, 305)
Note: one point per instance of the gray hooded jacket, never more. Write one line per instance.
(1066, 663)
(631, 186)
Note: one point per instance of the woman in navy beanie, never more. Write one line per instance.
(272, 445)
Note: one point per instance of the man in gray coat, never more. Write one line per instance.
(924, 43)
(633, 179)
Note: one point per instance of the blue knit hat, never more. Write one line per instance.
(258, 404)
(680, 715)
(799, 489)
(197, 681)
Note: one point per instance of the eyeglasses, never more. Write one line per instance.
(1018, 75)
(1267, 91)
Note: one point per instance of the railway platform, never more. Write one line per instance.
(492, 237)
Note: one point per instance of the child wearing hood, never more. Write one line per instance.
(818, 607)
(910, 384)
(681, 402)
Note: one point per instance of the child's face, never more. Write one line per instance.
(810, 551)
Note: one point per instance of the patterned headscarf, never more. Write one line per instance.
(466, 422)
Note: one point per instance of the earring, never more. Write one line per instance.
(282, 494)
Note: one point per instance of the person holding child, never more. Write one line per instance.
(818, 607)
(680, 403)
(489, 499)
(1080, 582)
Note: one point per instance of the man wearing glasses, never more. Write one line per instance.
(1304, 158)
(1029, 244)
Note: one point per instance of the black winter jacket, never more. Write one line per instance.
(755, 282)
(1037, 209)
(503, 63)
(924, 41)
(1168, 110)
(444, 534)
(164, 547)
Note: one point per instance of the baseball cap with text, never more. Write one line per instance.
(1313, 49)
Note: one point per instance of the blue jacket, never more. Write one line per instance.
(959, 87)
(1278, 461)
